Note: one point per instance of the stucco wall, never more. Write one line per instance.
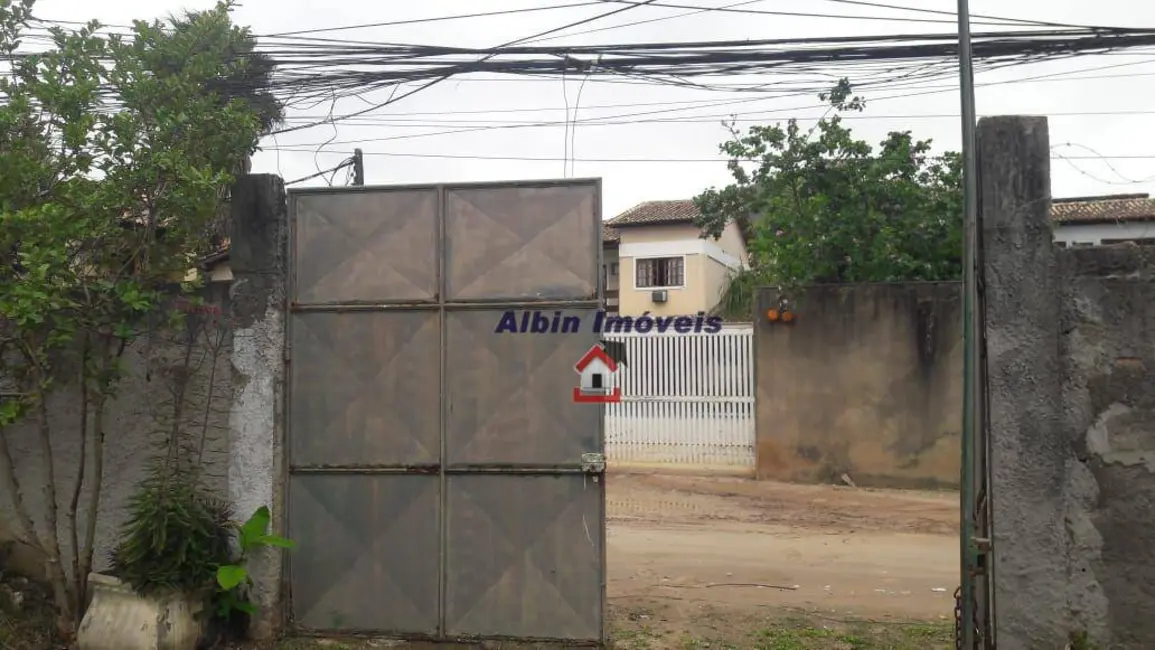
(657, 234)
(136, 424)
(705, 277)
(715, 279)
(865, 382)
(731, 241)
(687, 299)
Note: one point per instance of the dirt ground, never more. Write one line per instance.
(693, 557)
(732, 564)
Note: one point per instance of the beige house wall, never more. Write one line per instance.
(689, 299)
(705, 276)
(731, 241)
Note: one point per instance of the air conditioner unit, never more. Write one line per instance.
(660, 295)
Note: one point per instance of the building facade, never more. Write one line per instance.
(655, 260)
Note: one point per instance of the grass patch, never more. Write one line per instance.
(796, 633)
(864, 635)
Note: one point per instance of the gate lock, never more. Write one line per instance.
(593, 463)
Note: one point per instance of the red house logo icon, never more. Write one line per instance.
(596, 369)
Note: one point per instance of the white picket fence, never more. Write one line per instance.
(687, 400)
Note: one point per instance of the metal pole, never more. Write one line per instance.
(971, 479)
(358, 167)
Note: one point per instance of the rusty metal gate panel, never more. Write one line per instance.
(440, 478)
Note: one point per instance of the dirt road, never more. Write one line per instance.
(728, 550)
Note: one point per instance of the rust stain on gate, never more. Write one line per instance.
(436, 483)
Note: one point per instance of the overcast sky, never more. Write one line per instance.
(1111, 110)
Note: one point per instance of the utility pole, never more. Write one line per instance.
(975, 629)
(358, 167)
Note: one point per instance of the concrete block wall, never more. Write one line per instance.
(1071, 367)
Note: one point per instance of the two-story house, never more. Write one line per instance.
(655, 260)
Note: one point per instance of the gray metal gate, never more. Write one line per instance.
(437, 487)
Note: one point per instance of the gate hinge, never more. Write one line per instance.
(594, 463)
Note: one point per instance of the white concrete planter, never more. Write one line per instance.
(121, 619)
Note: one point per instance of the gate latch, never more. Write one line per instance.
(593, 463)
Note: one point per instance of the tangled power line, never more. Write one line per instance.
(319, 73)
(312, 71)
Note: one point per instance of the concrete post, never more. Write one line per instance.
(1028, 450)
(257, 254)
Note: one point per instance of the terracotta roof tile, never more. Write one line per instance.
(1088, 209)
(653, 213)
(609, 234)
(1100, 209)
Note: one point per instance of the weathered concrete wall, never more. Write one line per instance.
(1029, 457)
(243, 456)
(866, 382)
(258, 296)
(136, 423)
(1071, 367)
(1108, 396)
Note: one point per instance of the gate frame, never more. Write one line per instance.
(442, 308)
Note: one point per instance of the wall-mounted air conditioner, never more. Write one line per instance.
(661, 295)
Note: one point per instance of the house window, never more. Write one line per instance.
(614, 269)
(660, 272)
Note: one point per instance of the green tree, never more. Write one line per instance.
(821, 206)
(251, 82)
(111, 180)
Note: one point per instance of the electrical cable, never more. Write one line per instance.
(345, 163)
(647, 21)
(953, 15)
(771, 12)
(573, 127)
(740, 117)
(443, 78)
(433, 19)
(598, 121)
(1004, 51)
(404, 154)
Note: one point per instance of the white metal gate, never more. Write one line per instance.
(687, 400)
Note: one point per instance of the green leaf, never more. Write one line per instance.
(280, 542)
(246, 607)
(255, 528)
(231, 576)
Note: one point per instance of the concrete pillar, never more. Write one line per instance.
(258, 256)
(1029, 451)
